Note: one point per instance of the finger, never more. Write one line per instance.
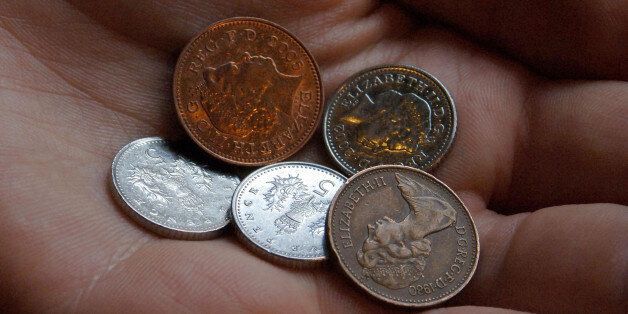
(169, 27)
(567, 258)
(219, 276)
(582, 39)
(470, 310)
(574, 146)
(523, 142)
(81, 76)
(128, 78)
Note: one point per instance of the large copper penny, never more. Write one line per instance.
(247, 91)
(403, 236)
(389, 114)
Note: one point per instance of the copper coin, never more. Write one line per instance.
(403, 236)
(389, 115)
(248, 92)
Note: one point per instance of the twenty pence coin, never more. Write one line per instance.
(280, 211)
(248, 92)
(389, 114)
(403, 236)
(170, 192)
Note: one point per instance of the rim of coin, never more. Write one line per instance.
(331, 103)
(337, 256)
(135, 215)
(278, 257)
(246, 162)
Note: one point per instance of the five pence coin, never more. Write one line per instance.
(280, 211)
(171, 193)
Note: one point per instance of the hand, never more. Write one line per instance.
(541, 123)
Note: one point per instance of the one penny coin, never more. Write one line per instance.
(389, 115)
(248, 92)
(403, 236)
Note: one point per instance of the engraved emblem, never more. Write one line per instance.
(317, 228)
(167, 185)
(248, 98)
(395, 253)
(389, 115)
(392, 122)
(292, 195)
(289, 207)
(167, 189)
(247, 91)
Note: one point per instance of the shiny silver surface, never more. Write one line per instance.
(165, 189)
(280, 211)
(389, 114)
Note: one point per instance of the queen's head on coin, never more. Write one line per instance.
(248, 97)
(395, 253)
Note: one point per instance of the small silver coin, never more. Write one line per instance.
(280, 211)
(389, 114)
(165, 189)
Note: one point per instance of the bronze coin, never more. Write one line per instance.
(403, 236)
(389, 115)
(248, 92)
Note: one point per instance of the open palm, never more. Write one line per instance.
(79, 80)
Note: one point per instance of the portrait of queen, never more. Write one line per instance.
(249, 97)
(395, 254)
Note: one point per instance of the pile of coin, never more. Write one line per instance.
(250, 94)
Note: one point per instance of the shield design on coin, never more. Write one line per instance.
(395, 253)
(248, 98)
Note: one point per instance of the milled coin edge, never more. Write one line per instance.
(336, 255)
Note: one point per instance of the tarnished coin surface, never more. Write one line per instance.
(389, 115)
(280, 211)
(403, 236)
(248, 92)
(165, 189)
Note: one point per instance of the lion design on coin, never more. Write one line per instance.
(395, 253)
(248, 98)
(392, 122)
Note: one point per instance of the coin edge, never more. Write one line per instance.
(320, 93)
(446, 149)
(164, 231)
(347, 272)
(293, 262)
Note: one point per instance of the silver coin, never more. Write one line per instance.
(280, 211)
(389, 115)
(165, 189)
